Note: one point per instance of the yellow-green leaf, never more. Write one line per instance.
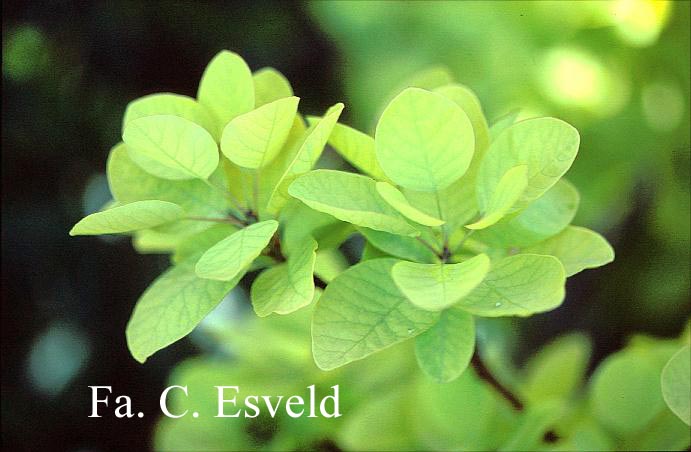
(424, 141)
(171, 147)
(254, 139)
(435, 287)
(226, 87)
(232, 255)
(349, 197)
(506, 193)
(398, 201)
(128, 217)
(270, 85)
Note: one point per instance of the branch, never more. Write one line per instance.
(484, 373)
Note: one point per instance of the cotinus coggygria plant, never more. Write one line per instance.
(460, 220)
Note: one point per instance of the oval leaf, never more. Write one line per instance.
(171, 308)
(226, 259)
(468, 101)
(128, 217)
(507, 192)
(226, 87)
(254, 139)
(362, 312)
(287, 287)
(546, 216)
(397, 200)
(300, 157)
(424, 141)
(547, 146)
(518, 285)
(676, 384)
(170, 104)
(577, 248)
(270, 85)
(444, 351)
(349, 197)
(171, 147)
(437, 286)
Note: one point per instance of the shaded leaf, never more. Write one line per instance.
(676, 384)
(397, 200)
(444, 351)
(270, 85)
(504, 196)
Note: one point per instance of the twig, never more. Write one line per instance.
(484, 373)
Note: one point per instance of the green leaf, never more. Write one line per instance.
(625, 392)
(406, 248)
(300, 223)
(226, 87)
(300, 157)
(577, 248)
(194, 245)
(170, 104)
(547, 146)
(171, 147)
(357, 148)
(456, 204)
(503, 123)
(518, 285)
(435, 287)
(424, 141)
(349, 197)
(557, 370)
(444, 351)
(152, 241)
(229, 257)
(171, 307)
(129, 183)
(508, 190)
(546, 216)
(270, 85)
(128, 217)
(676, 384)
(468, 101)
(362, 312)
(254, 139)
(397, 200)
(287, 287)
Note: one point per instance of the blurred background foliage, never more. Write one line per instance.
(617, 70)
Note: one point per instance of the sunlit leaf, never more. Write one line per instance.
(362, 312)
(226, 87)
(270, 85)
(468, 101)
(397, 200)
(171, 307)
(171, 147)
(424, 141)
(399, 246)
(444, 351)
(254, 139)
(547, 146)
(546, 216)
(577, 248)
(229, 257)
(435, 287)
(128, 217)
(349, 197)
(509, 188)
(518, 285)
(287, 287)
(300, 156)
(170, 104)
(357, 148)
